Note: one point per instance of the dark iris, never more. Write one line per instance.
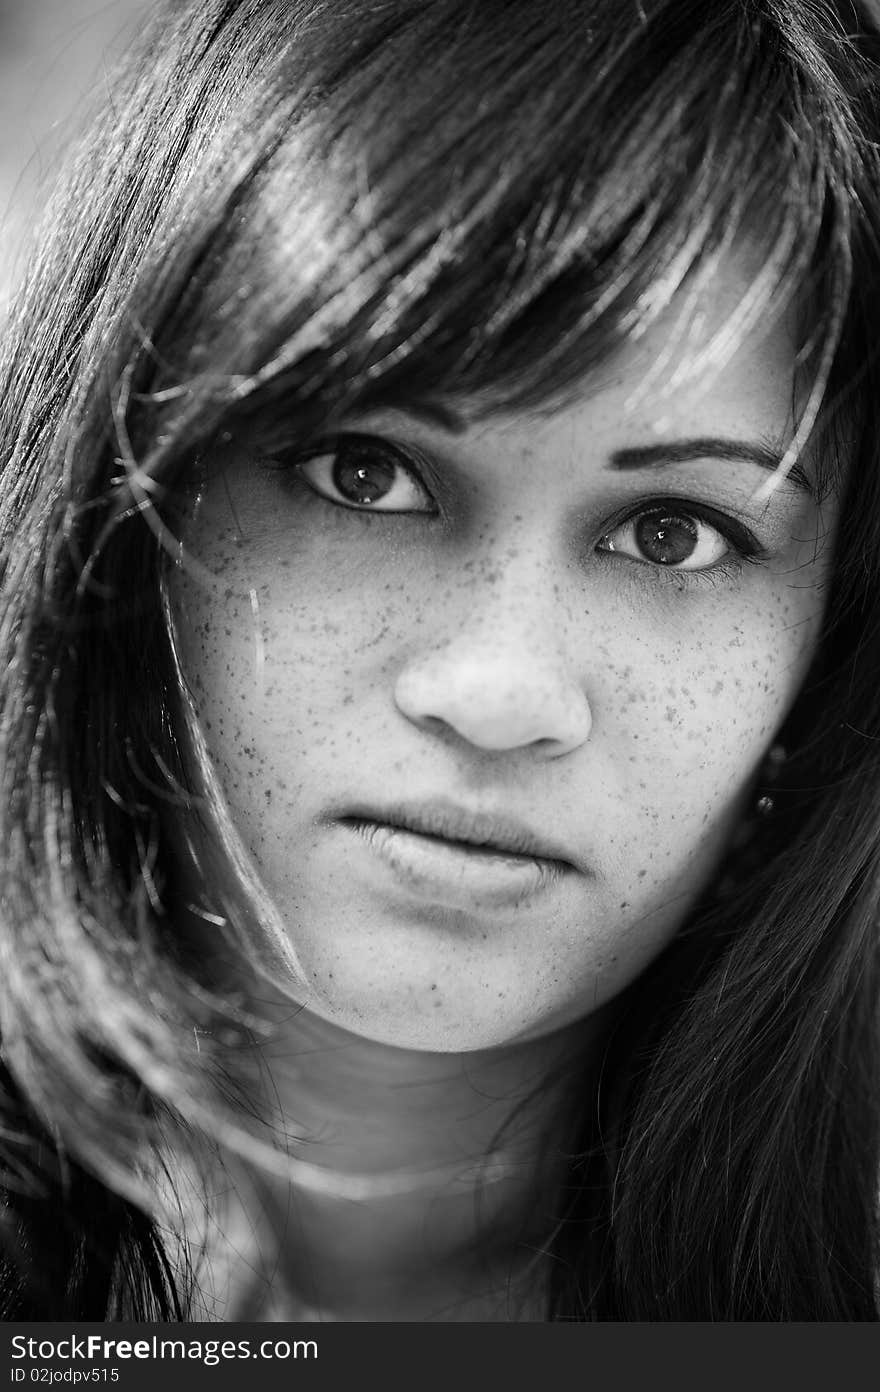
(362, 475)
(666, 539)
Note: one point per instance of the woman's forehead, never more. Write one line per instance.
(683, 375)
(708, 355)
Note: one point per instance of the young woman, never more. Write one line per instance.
(440, 529)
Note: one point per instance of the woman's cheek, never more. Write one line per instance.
(685, 722)
(279, 685)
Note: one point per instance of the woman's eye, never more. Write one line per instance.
(368, 475)
(664, 536)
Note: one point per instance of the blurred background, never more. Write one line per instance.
(53, 53)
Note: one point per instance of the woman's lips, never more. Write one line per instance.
(481, 867)
(496, 832)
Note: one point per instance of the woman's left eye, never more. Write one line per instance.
(367, 475)
(673, 538)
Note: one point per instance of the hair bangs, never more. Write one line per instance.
(385, 258)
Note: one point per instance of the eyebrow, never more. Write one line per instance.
(671, 452)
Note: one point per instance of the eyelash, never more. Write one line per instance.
(413, 465)
(744, 546)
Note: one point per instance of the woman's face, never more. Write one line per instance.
(485, 703)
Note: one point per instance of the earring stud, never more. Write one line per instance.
(776, 757)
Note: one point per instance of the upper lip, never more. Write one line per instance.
(497, 832)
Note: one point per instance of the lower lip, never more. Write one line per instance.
(452, 873)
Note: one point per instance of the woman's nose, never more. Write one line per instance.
(501, 688)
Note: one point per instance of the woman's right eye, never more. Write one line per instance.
(366, 474)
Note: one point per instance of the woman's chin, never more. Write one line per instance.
(454, 1027)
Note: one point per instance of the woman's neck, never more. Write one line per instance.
(422, 1184)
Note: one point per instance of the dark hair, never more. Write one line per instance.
(290, 207)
